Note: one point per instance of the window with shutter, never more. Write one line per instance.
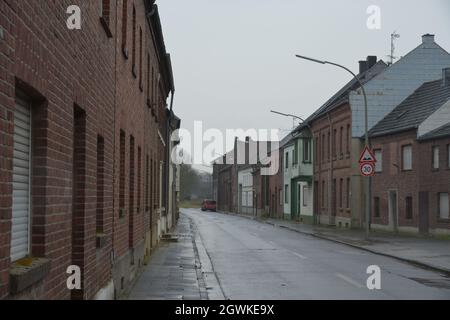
(20, 231)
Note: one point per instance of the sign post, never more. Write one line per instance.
(367, 163)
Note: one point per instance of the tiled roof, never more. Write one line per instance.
(414, 109)
(342, 95)
(440, 132)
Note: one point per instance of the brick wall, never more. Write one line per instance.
(47, 62)
(84, 92)
(332, 147)
(422, 178)
(140, 113)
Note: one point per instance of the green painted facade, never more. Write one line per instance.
(298, 178)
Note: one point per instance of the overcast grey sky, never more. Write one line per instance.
(234, 60)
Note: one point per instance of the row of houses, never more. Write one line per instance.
(85, 176)
(319, 179)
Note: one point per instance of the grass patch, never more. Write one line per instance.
(191, 204)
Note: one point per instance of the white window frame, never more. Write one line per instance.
(443, 205)
(379, 162)
(435, 157)
(405, 164)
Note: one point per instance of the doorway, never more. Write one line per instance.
(393, 210)
(423, 212)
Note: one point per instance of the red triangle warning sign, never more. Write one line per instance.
(367, 156)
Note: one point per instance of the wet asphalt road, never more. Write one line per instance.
(249, 260)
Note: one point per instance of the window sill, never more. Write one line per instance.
(443, 221)
(105, 26)
(24, 273)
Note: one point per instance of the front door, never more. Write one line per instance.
(393, 210)
(423, 212)
(299, 199)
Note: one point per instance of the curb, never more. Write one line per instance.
(409, 261)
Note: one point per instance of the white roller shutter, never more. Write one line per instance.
(21, 181)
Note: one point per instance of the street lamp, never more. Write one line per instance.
(368, 180)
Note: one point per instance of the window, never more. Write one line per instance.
(341, 137)
(131, 194)
(287, 160)
(124, 27)
(105, 16)
(147, 185)
(341, 192)
(407, 157)
(140, 60)
(295, 152)
(21, 200)
(443, 205)
(316, 149)
(323, 147)
(334, 142)
(379, 158)
(148, 78)
(133, 51)
(408, 207)
(376, 207)
(286, 193)
(122, 174)
(281, 197)
(100, 182)
(448, 155)
(328, 146)
(305, 196)
(435, 157)
(348, 139)
(348, 193)
(152, 187)
(323, 193)
(306, 150)
(139, 180)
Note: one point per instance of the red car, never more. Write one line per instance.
(209, 205)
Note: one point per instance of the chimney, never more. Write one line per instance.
(362, 66)
(371, 61)
(446, 77)
(428, 38)
(247, 150)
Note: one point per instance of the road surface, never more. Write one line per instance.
(246, 259)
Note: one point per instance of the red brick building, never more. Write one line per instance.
(144, 81)
(82, 122)
(333, 147)
(411, 186)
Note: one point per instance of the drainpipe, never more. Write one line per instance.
(330, 187)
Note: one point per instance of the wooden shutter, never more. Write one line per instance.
(21, 181)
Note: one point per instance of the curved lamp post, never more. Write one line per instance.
(368, 179)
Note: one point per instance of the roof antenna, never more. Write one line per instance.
(394, 36)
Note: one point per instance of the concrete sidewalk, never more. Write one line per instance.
(174, 270)
(425, 252)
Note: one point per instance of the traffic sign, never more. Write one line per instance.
(367, 169)
(367, 156)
